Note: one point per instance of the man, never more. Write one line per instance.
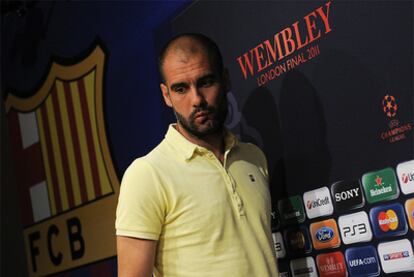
(198, 204)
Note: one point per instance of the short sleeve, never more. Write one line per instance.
(141, 204)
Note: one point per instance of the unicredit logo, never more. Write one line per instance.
(388, 220)
(345, 195)
(407, 177)
(405, 173)
(317, 203)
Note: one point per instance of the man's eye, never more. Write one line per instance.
(179, 90)
(207, 83)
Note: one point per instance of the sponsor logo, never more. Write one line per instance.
(325, 234)
(380, 185)
(347, 195)
(279, 246)
(396, 256)
(355, 228)
(405, 178)
(298, 240)
(405, 172)
(332, 264)
(318, 202)
(362, 261)
(409, 209)
(291, 210)
(388, 220)
(303, 267)
(396, 131)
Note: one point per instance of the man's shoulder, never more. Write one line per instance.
(250, 153)
(159, 155)
(249, 148)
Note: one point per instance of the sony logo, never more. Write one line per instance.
(345, 195)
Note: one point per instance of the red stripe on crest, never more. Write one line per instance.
(89, 137)
(62, 148)
(76, 143)
(51, 158)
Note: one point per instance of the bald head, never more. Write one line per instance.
(186, 46)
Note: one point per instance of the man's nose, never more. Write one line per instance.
(197, 96)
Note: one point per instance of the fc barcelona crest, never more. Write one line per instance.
(66, 178)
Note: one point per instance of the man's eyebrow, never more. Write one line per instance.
(208, 76)
(178, 85)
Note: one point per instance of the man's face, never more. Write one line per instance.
(196, 92)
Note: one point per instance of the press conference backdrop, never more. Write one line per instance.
(81, 101)
(326, 89)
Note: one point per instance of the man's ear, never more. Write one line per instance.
(226, 80)
(166, 95)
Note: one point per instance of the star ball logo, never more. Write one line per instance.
(388, 220)
(389, 105)
(396, 131)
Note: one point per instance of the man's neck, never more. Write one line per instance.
(213, 142)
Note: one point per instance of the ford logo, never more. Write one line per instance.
(324, 234)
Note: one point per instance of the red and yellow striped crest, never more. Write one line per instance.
(67, 181)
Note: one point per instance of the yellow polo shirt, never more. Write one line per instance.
(210, 219)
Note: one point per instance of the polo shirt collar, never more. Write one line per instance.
(188, 149)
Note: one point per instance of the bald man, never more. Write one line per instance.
(198, 204)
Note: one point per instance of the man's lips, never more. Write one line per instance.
(201, 114)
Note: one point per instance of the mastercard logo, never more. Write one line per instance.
(388, 220)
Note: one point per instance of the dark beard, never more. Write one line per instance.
(216, 126)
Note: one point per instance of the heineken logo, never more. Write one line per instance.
(380, 185)
(375, 192)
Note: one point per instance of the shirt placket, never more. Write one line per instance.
(230, 183)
